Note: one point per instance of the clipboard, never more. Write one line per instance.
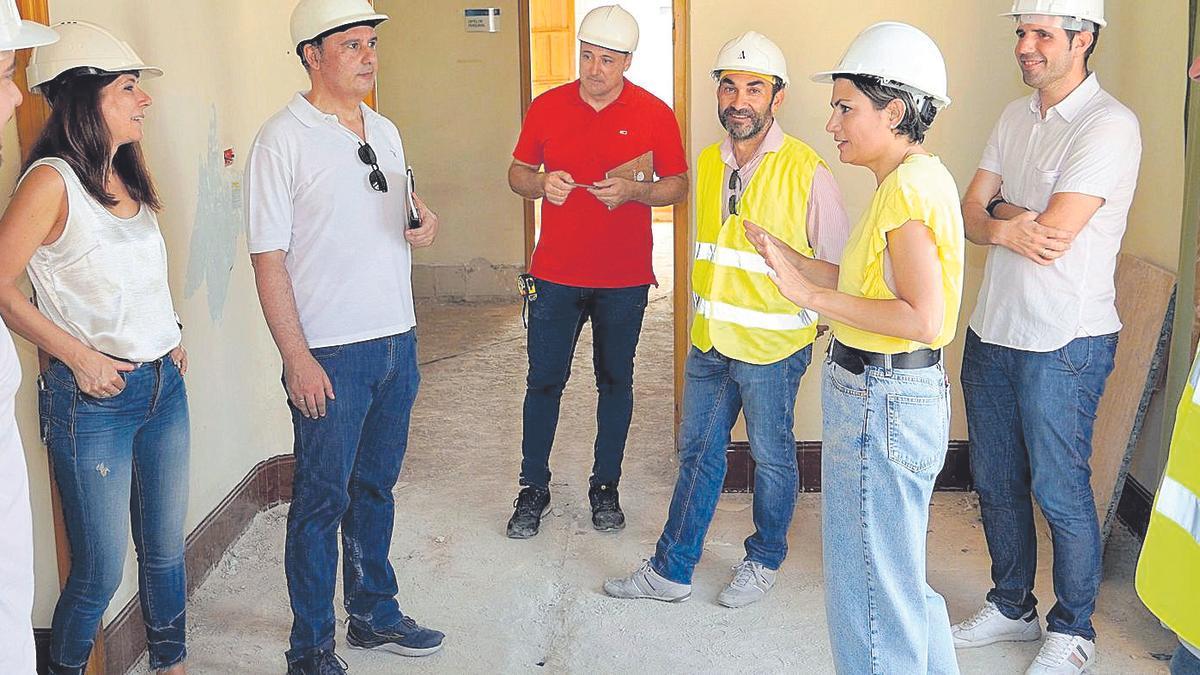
(640, 169)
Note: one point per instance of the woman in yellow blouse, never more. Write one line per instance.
(893, 304)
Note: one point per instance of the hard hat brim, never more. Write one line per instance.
(344, 23)
(600, 44)
(1099, 22)
(828, 76)
(30, 34)
(717, 74)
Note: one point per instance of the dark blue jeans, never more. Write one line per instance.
(346, 466)
(118, 462)
(555, 321)
(1030, 417)
(716, 389)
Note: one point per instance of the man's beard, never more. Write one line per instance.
(758, 122)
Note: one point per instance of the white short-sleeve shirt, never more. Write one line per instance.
(307, 193)
(1090, 144)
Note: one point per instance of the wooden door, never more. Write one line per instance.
(552, 43)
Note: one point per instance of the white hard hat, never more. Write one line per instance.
(313, 18)
(900, 55)
(17, 34)
(754, 53)
(84, 45)
(611, 27)
(1086, 10)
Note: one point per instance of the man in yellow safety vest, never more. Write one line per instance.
(750, 345)
(1168, 574)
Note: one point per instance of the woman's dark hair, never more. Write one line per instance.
(76, 133)
(917, 118)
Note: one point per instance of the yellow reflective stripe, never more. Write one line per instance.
(1180, 505)
(719, 311)
(730, 257)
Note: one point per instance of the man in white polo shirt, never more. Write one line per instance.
(1050, 201)
(329, 238)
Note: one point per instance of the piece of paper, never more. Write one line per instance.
(640, 169)
(582, 185)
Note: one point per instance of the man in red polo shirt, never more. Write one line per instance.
(593, 260)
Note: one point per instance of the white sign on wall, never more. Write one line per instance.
(483, 20)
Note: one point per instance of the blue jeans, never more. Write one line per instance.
(1185, 662)
(1030, 417)
(555, 321)
(885, 437)
(119, 461)
(346, 466)
(716, 388)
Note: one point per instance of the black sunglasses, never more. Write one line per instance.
(735, 184)
(378, 180)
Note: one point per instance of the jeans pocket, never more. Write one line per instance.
(917, 431)
(324, 353)
(1076, 354)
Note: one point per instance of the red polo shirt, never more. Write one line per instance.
(582, 243)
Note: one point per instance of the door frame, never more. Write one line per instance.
(681, 213)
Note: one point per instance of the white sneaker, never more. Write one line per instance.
(990, 626)
(646, 583)
(1063, 655)
(751, 581)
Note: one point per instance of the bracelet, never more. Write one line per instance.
(991, 207)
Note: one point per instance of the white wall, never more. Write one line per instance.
(228, 67)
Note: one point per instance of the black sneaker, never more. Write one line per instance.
(321, 663)
(531, 505)
(606, 507)
(407, 639)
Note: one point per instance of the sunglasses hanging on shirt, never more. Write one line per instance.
(735, 186)
(367, 155)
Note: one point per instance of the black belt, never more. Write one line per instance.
(857, 360)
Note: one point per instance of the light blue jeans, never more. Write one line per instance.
(121, 465)
(884, 442)
(716, 389)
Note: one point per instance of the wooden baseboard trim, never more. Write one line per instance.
(269, 483)
(1133, 508)
(955, 475)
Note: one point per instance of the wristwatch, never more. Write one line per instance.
(991, 207)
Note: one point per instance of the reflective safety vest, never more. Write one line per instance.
(1168, 573)
(739, 311)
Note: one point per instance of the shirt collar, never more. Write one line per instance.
(1073, 104)
(772, 142)
(622, 98)
(311, 117)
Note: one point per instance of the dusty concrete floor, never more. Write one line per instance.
(536, 606)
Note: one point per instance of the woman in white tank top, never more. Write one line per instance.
(113, 405)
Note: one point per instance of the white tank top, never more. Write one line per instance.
(104, 280)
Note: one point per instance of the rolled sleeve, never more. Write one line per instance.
(268, 192)
(991, 160)
(828, 222)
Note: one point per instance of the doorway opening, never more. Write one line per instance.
(549, 54)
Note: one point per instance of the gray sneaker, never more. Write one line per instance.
(751, 581)
(646, 583)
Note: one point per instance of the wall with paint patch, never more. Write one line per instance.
(228, 67)
(455, 97)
